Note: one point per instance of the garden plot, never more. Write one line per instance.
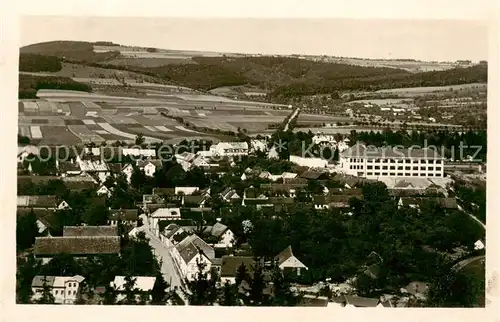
(89, 122)
(251, 127)
(58, 135)
(91, 114)
(91, 106)
(116, 131)
(31, 107)
(151, 128)
(150, 110)
(71, 120)
(182, 128)
(63, 108)
(213, 123)
(155, 134)
(153, 120)
(77, 109)
(45, 121)
(24, 131)
(119, 119)
(163, 128)
(36, 132)
(84, 134)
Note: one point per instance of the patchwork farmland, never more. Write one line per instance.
(61, 117)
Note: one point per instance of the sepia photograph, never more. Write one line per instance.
(335, 163)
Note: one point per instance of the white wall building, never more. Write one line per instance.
(373, 163)
(139, 152)
(65, 289)
(163, 214)
(223, 149)
(309, 162)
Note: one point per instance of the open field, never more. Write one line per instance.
(431, 89)
(58, 135)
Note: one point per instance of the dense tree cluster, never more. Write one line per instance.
(39, 63)
(29, 85)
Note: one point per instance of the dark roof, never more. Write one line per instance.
(193, 200)
(362, 151)
(218, 229)
(188, 252)
(38, 281)
(319, 199)
(35, 179)
(66, 166)
(312, 175)
(143, 163)
(343, 191)
(284, 255)
(257, 201)
(73, 231)
(286, 187)
(230, 265)
(311, 300)
(47, 246)
(199, 243)
(357, 301)
(124, 214)
(281, 200)
(163, 191)
(45, 201)
(448, 203)
(115, 167)
(80, 185)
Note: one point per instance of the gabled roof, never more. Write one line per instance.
(199, 243)
(166, 213)
(69, 231)
(143, 163)
(194, 200)
(188, 251)
(48, 246)
(218, 229)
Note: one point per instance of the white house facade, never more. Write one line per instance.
(65, 289)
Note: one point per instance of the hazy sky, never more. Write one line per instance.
(418, 39)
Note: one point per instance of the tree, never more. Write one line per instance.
(130, 290)
(159, 293)
(229, 295)
(26, 230)
(109, 296)
(241, 274)
(282, 294)
(202, 289)
(47, 297)
(139, 139)
(27, 269)
(257, 285)
(96, 215)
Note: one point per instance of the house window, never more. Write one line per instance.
(415, 168)
(407, 161)
(350, 167)
(414, 161)
(399, 161)
(422, 174)
(384, 160)
(431, 168)
(415, 174)
(438, 168)
(57, 292)
(377, 167)
(392, 161)
(400, 174)
(370, 160)
(431, 174)
(400, 167)
(384, 167)
(377, 173)
(422, 161)
(393, 167)
(422, 168)
(369, 173)
(384, 173)
(407, 168)
(369, 167)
